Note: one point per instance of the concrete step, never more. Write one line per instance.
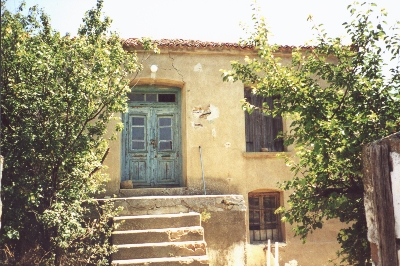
(143, 205)
(143, 192)
(142, 222)
(160, 250)
(170, 261)
(193, 233)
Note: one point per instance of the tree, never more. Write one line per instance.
(58, 95)
(339, 97)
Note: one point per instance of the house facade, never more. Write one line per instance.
(185, 133)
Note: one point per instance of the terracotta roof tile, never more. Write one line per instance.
(180, 43)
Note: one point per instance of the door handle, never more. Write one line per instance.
(154, 143)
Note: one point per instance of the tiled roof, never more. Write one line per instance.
(179, 43)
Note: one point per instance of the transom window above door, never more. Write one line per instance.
(152, 97)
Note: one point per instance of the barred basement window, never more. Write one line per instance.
(264, 223)
(262, 130)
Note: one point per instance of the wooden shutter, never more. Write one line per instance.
(262, 130)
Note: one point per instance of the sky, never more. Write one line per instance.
(208, 20)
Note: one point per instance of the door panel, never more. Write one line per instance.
(136, 149)
(151, 144)
(166, 170)
(137, 170)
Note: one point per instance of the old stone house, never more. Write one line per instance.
(186, 134)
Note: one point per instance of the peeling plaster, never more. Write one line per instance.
(196, 125)
(198, 68)
(210, 113)
(199, 112)
(205, 114)
(395, 178)
(214, 113)
(177, 235)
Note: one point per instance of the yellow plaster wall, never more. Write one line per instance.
(228, 169)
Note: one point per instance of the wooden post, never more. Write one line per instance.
(378, 174)
(1, 174)
(269, 253)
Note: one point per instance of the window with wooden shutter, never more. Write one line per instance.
(262, 130)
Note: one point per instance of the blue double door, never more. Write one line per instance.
(152, 140)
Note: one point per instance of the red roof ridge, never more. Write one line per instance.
(181, 43)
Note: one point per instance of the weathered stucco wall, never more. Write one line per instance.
(319, 248)
(212, 118)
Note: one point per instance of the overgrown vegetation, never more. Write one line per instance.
(58, 93)
(339, 97)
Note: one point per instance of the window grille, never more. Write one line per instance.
(264, 224)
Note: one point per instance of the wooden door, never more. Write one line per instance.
(152, 142)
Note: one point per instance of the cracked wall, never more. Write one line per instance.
(212, 118)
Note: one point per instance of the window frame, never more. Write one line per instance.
(267, 229)
(261, 131)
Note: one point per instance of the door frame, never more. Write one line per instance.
(178, 106)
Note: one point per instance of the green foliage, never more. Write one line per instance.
(338, 97)
(58, 95)
(205, 216)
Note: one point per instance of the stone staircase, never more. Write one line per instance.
(156, 239)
